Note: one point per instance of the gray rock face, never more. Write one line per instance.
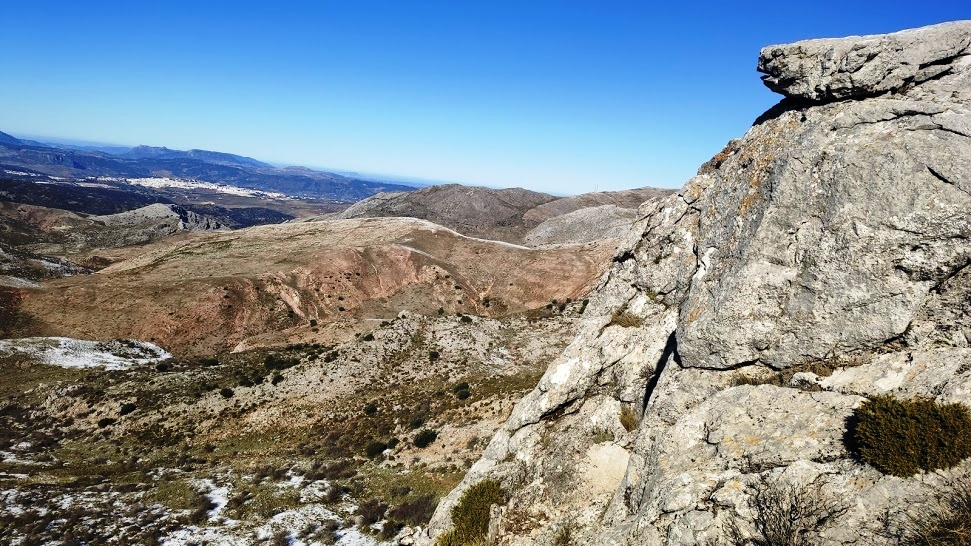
(583, 226)
(178, 217)
(858, 66)
(835, 234)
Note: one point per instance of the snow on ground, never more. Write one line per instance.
(291, 521)
(219, 496)
(78, 353)
(165, 182)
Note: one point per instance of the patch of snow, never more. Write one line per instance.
(219, 496)
(292, 522)
(11, 458)
(294, 481)
(314, 491)
(354, 537)
(78, 353)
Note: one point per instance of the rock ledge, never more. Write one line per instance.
(859, 66)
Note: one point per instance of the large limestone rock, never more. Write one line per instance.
(833, 69)
(836, 234)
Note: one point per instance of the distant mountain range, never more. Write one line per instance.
(80, 162)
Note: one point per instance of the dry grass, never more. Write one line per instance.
(945, 522)
(628, 418)
(625, 319)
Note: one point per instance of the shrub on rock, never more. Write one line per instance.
(470, 517)
(903, 437)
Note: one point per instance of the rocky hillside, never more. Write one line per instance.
(209, 292)
(510, 214)
(310, 443)
(818, 262)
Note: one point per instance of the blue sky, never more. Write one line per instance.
(563, 97)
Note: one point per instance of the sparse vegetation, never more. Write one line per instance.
(470, 516)
(564, 537)
(425, 437)
(625, 319)
(375, 448)
(784, 514)
(945, 521)
(783, 378)
(628, 419)
(162, 449)
(903, 437)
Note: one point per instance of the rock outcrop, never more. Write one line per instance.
(584, 225)
(833, 238)
(834, 69)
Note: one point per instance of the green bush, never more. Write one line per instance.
(425, 438)
(105, 421)
(463, 386)
(903, 437)
(463, 394)
(470, 517)
(375, 448)
(226, 392)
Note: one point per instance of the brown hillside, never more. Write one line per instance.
(214, 291)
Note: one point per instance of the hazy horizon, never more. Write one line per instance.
(562, 97)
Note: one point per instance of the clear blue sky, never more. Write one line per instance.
(561, 96)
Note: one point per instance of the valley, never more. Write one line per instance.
(193, 361)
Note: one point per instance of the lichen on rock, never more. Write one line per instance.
(835, 235)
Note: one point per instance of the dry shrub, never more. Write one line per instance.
(625, 319)
(945, 522)
(628, 418)
(415, 512)
(785, 514)
(372, 511)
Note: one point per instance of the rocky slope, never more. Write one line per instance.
(583, 226)
(817, 261)
(310, 443)
(213, 291)
(41, 243)
(473, 211)
(510, 214)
